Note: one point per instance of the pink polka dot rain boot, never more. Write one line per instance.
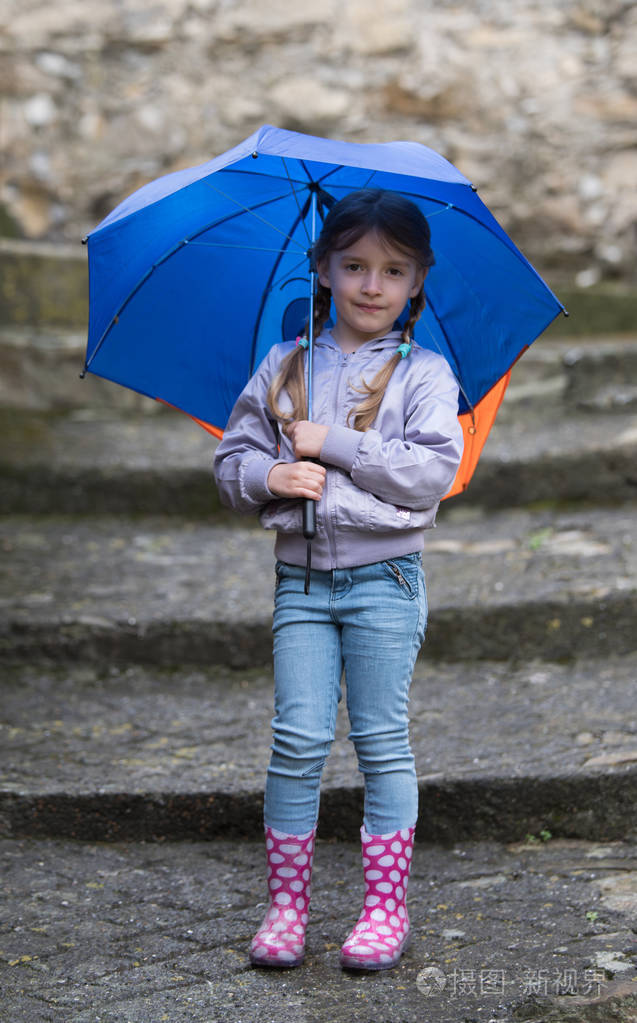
(280, 940)
(381, 934)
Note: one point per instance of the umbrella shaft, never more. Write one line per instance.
(310, 330)
(309, 506)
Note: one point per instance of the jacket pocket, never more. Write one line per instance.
(384, 517)
(285, 516)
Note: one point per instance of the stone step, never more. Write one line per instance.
(46, 284)
(542, 583)
(88, 461)
(40, 367)
(43, 284)
(601, 377)
(40, 371)
(126, 753)
(593, 374)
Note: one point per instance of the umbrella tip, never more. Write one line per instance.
(255, 156)
(84, 239)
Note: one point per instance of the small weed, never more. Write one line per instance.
(544, 836)
(536, 540)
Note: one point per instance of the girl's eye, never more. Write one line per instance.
(395, 272)
(353, 266)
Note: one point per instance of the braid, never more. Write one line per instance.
(291, 375)
(290, 378)
(322, 306)
(365, 413)
(416, 307)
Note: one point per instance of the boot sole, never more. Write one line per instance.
(368, 967)
(275, 963)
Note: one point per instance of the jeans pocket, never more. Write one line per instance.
(277, 574)
(404, 571)
(287, 574)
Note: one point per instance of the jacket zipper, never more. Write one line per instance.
(339, 402)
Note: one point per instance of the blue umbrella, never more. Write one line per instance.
(195, 275)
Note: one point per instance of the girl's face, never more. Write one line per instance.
(371, 282)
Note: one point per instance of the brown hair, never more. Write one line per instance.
(394, 219)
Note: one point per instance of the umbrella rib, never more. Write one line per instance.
(366, 185)
(296, 198)
(238, 172)
(255, 332)
(446, 206)
(246, 209)
(232, 216)
(176, 248)
(437, 213)
(332, 170)
(246, 248)
(288, 273)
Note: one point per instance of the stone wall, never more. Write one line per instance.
(534, 100)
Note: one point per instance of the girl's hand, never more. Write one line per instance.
(297, 479)
(307, 438)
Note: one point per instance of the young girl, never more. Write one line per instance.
(381, 451)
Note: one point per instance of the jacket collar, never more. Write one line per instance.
(388, 342)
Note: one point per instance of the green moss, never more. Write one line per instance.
(9, 228)
(605, 309)
(39, 289)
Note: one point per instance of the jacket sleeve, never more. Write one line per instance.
(416, 470)
(249, 447)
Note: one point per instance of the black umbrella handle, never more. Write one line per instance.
(309, 511)
(309, 518)
(309, 532)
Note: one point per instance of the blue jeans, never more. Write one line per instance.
(369, 622)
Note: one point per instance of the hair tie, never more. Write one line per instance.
(404, 349)
(302, 342)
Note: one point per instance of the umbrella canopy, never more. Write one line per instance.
(197, 274)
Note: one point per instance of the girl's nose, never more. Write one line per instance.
(371, 283)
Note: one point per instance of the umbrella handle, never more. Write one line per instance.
(309, 512)
(309, 518)
(309, 532)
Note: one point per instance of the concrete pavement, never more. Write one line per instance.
(541, 931)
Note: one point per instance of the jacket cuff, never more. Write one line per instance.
(340, 447)
(254, 479)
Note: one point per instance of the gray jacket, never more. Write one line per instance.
(383, 487)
